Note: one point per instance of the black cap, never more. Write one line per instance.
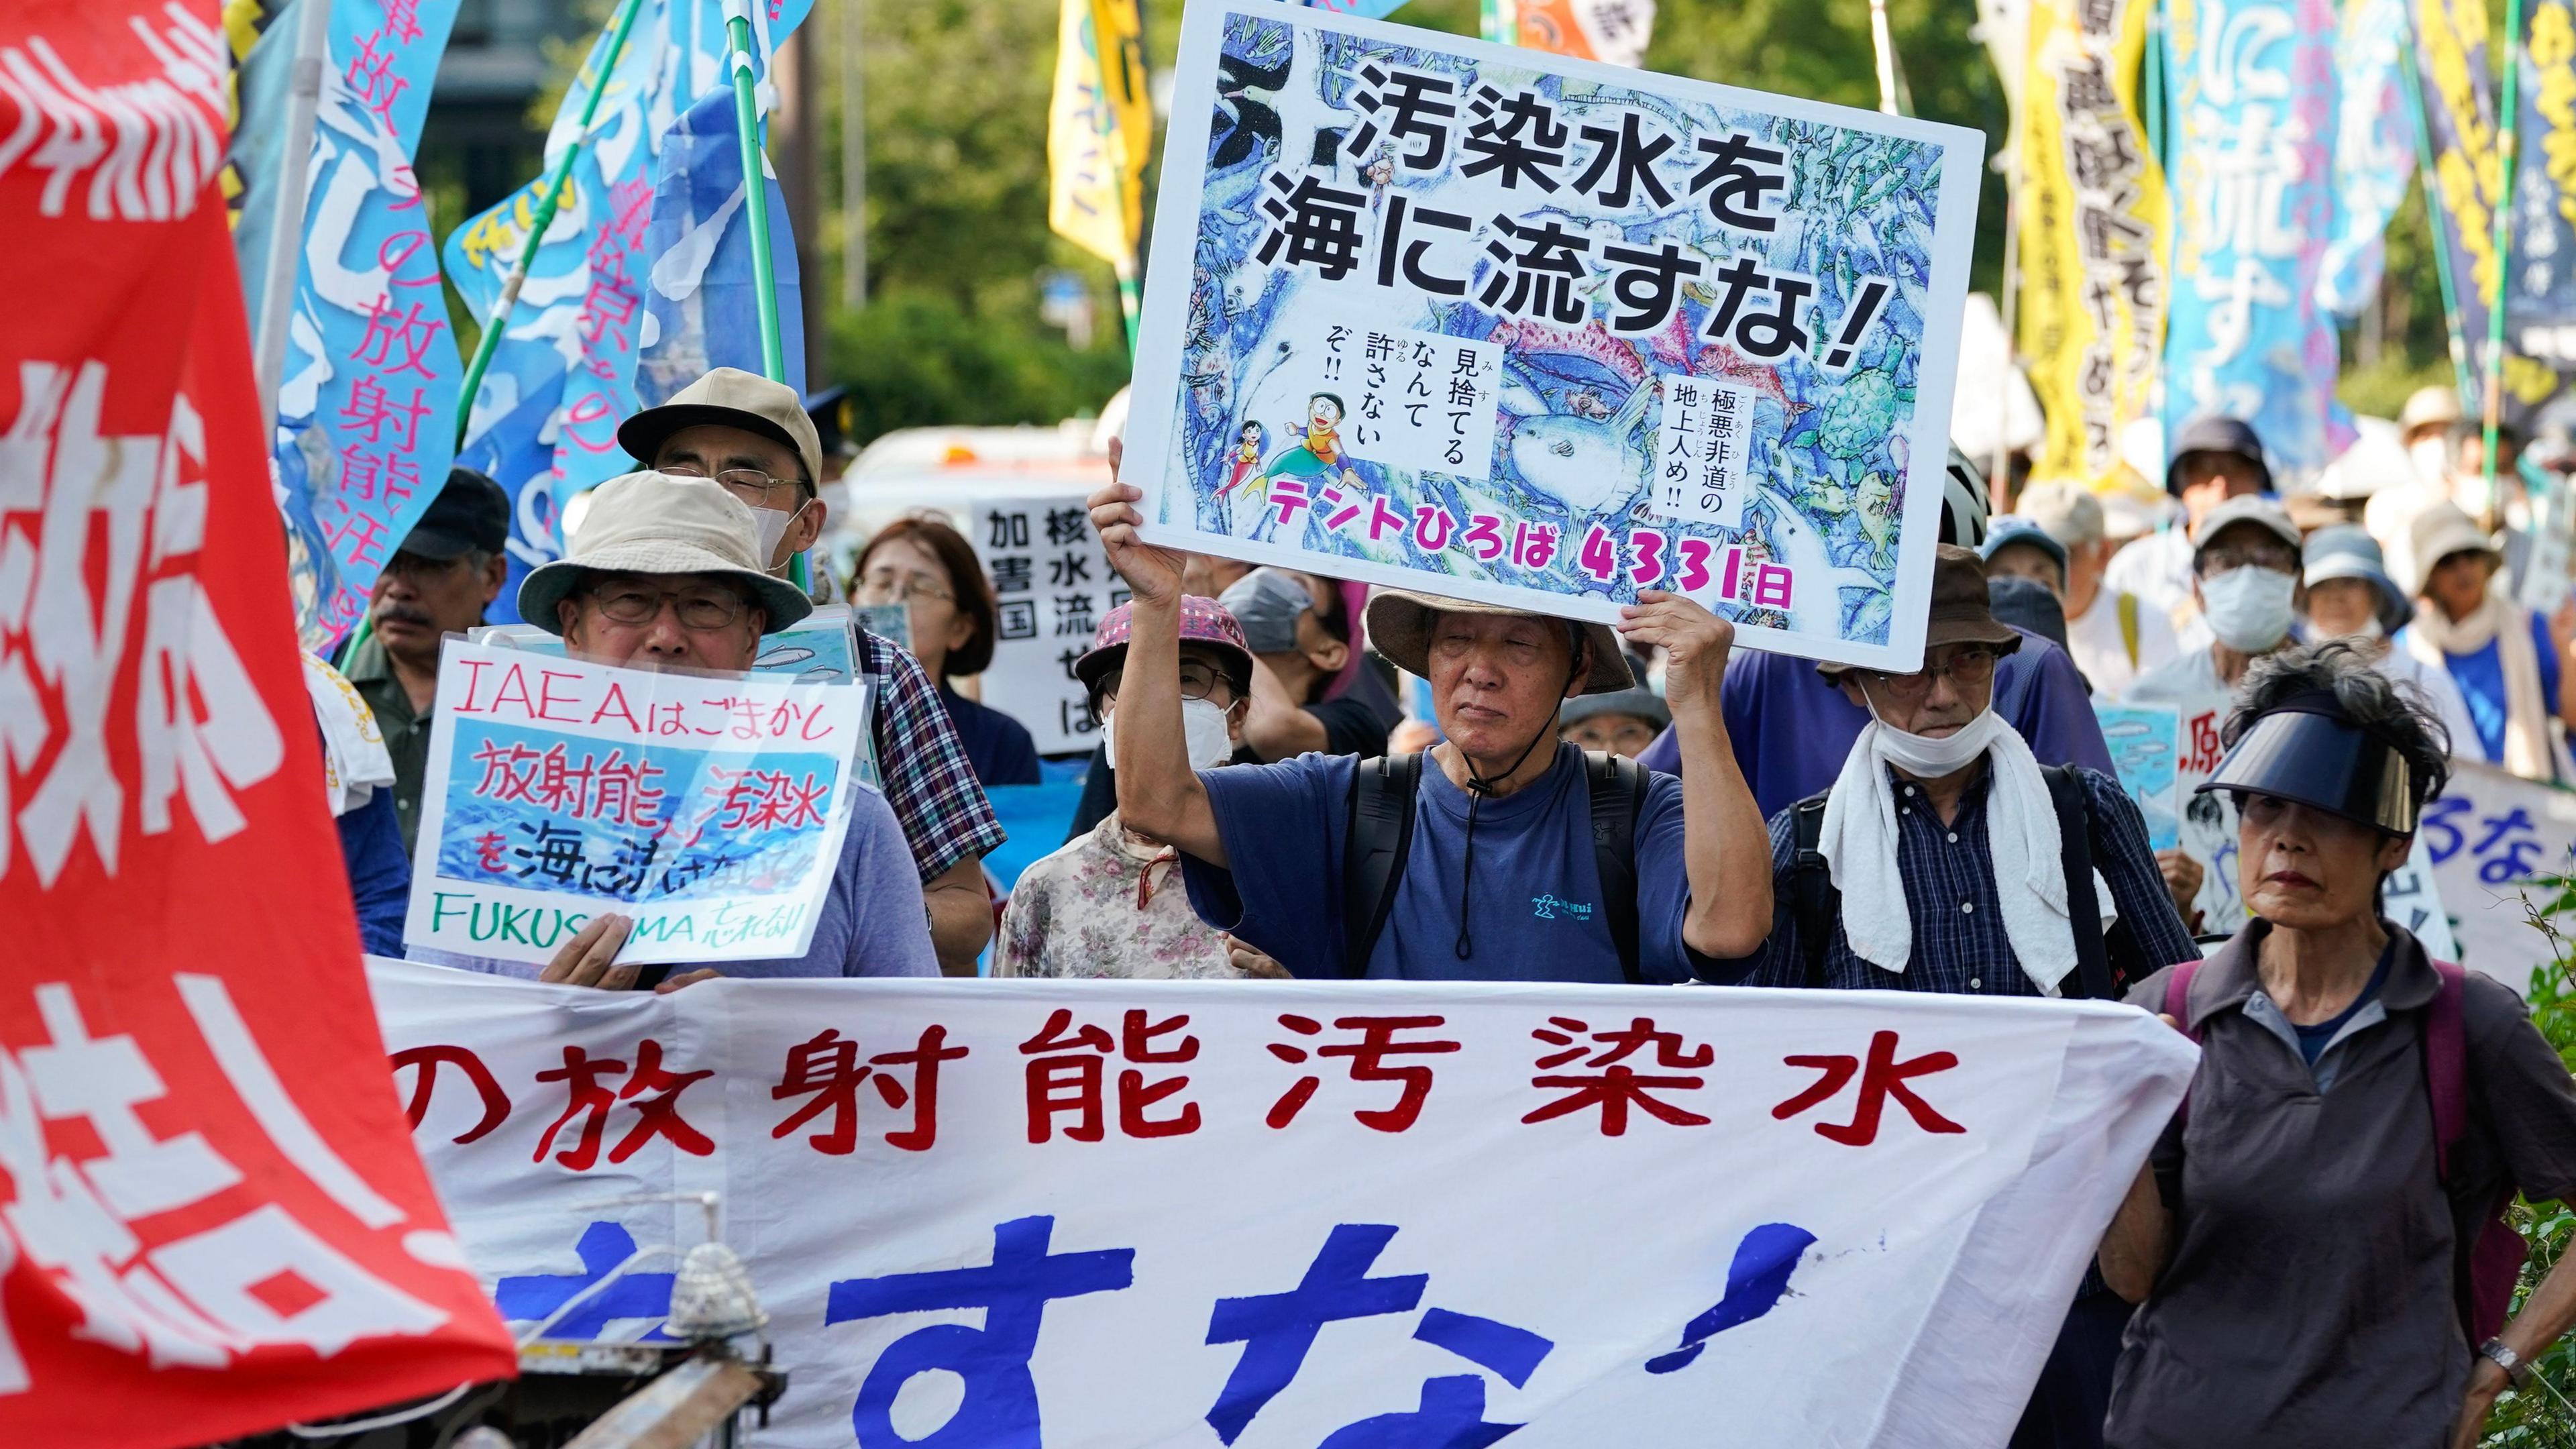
(2216, 434)
(2027, 604)
(470, 513)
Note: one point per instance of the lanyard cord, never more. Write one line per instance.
(1478, 787)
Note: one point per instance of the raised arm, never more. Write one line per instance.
(1159, 795)
(1726, 847)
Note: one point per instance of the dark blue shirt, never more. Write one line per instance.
(1533, 904)
(998, 747)
(2313, 1040)
(371, 848)
(1949, 874)
(2480, 676)
(1791, 727)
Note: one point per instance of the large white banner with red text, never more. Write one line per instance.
(1286, 1215)
(210, 1220)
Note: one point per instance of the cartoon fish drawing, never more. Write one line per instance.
(1587, 464)
(1817, 606)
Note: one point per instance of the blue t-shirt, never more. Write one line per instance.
(2480, 677)
(1535, 897)
(999, 747)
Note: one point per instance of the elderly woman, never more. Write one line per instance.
(2308, 1245)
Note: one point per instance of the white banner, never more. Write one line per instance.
(1051, 587)
(2490, 838)
(711, 808)
(1299, 1214)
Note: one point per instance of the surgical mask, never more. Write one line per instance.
(1204, 734)
(774, 524)
(1266, 602)
(1929, 757)
(2370, 628)
(2249, 607)
(2431, 457)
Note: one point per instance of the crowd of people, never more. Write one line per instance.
(1640, 802)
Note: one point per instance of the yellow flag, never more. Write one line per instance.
(1100, 130)
(2094, 216)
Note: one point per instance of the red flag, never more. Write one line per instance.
(211, 1218)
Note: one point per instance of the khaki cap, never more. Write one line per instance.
(1400, 623)
(728, 397)
(2438, 532)
(653, 523)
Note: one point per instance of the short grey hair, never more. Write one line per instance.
(2397, 712)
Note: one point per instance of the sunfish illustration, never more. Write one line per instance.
(1816, 606)
(1587, 464)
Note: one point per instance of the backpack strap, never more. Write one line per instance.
(1814, 896)
(2446, 1065)
(2126, 606)
(1374, 853)
(2083, 906)
(1618, 788)
(2178, 997)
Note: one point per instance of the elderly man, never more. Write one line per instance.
(448, 570)
(755, 438)
(1946, 858)
(662, 575)
(2215, 460)
(1478, 861)
(2245, 580)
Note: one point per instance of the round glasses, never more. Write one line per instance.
(701, 611)
(1968, 668)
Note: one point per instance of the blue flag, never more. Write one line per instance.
(516, 451)
(367, 402)
(2374, 153)
(701, 309)
(574, 333)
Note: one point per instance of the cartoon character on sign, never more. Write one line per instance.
(1320, 454)
(1246, 462)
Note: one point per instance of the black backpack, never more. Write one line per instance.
(2104, 966)
(1381, 839)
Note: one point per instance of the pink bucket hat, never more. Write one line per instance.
(1203, 621)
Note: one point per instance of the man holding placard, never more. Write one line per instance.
(661, 577)
(754, 436)
(1545, 905)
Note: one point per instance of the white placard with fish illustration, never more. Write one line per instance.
(1577, 249)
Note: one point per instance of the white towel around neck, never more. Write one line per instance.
(1858, 841)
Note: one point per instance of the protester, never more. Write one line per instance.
(2017, 547)
(2245, 582)
(2352, 598)
(1488, 869)
(1945, 859)
(2423, 428)
(446, 572)
(2300, 1242)
(755, 437)
(930, 569)
(663, 574)
(2499, 653)
(358, 781)
(1110, 904)
(2216, 459)
(1623, 722)
(2112, 634)
(1791, 728)
(1298, 627)
(2028, 606)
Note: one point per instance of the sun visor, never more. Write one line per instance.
(2321, 761)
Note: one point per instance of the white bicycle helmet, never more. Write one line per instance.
(1963, 502)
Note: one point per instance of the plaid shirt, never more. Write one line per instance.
(932, 788)
(1949, 873)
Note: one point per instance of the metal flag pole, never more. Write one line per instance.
(2433, 219)
(286, 225)
(755, 171)
(502, 306)
(1883, 49)
(2508, 125)
(1998, 482)
(1106, 117)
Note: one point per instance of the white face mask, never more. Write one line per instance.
(2370, 628)
(2431, 457)
(774, 524)
(1204, 732)
(1929, 757)
(2249, 608)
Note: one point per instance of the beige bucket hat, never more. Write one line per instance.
(653, 523)
(732, 398)
(1399, 627)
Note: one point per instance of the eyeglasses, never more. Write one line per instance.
(892, 588)
(702, 611)
(748, 484)
(1198, 680)
(2216, 561)
(1968, 668)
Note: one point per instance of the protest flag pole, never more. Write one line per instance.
(2507, 130)
(1883, 52)
(544, 220)
(755, 171)
(286, 225)
(2451, 318)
